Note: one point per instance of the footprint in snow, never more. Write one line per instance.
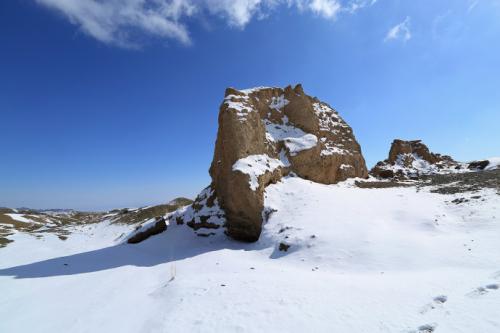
(437, 302)
(426, 328)
(479, 291)
(440, 299)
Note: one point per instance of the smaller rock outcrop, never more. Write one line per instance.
(411, 159)
(204, 215)
(143, 232)
(478, 165)
(152, 219)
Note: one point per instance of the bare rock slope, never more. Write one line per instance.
(264, 134)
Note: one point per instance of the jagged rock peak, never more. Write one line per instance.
(411, 159)
(265, 133)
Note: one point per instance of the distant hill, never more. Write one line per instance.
(61, 222)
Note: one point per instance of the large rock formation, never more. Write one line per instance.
(265, 133)
(411, 159)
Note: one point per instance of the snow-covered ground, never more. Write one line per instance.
(360, 260)
(494, 163)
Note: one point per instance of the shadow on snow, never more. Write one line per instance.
(157, 250)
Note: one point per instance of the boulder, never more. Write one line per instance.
(478, 165)
(144, 232)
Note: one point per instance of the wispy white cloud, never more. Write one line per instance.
(439, 24)
(356, 5)
(325, 8)
(113, 21)
(238, 13)
(119, 22)
(472, 5)
(400, 31)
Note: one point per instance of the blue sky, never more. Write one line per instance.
(111, 104)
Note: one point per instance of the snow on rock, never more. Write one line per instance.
(278, 103)
(334, 149)
(345, 166)
(330, 122)
(328, 118)
(255, 166)
(239, 104)
(305, 142)
(254, 90)
(204, 215)
(294, 138)
(418, 166)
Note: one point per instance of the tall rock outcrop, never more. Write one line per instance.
(411, 159)
(266, 133)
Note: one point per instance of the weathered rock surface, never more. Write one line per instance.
(266, 133)
(411, 159)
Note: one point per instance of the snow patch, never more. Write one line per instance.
(255, 166)
(19, 217)
(239, 103)
(254, 89)
(278, 103)
(328, 118)
(494, 163)
(294, 138)
(331, 149)
(305, 142)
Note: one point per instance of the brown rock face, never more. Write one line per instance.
(265, 133)
(400, 147)
(409, 159)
